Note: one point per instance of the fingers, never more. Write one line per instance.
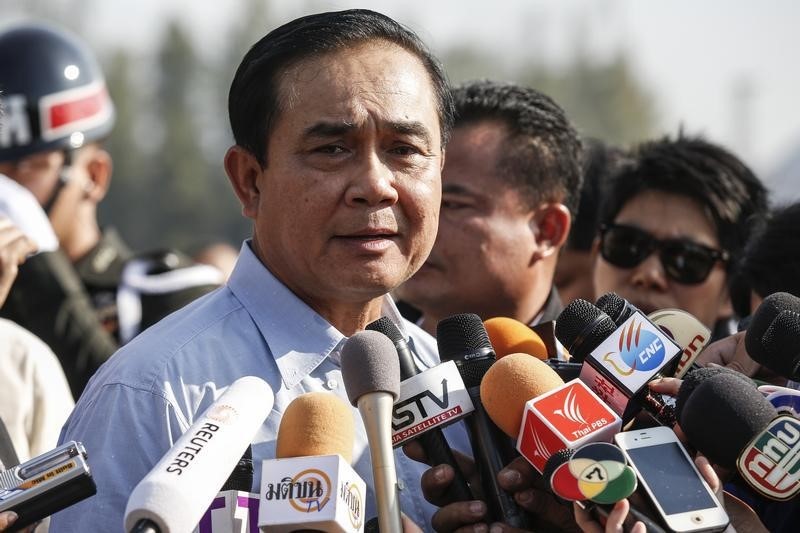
(708, 473)
(518, 476)
(720, 352)
(460, 516)
(7, 519)
(584, 520)
(669, 386)
(414, 450)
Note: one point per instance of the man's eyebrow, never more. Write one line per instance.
(413, 128)
(455, 188)
(328, 129)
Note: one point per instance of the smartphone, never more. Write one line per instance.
(678, 491)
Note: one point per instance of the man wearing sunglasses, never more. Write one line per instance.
(673, 225)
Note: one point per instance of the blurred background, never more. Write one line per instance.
(625, 70)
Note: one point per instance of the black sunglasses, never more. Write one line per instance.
(683, 260)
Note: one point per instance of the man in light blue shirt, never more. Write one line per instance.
(340, 121)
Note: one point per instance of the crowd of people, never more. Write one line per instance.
(375, 189)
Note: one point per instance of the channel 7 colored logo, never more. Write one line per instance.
(771, 462)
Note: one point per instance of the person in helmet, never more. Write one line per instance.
(56, 114)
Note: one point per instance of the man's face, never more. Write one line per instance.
(646, 285)
(348, 202)
(483, 252)
(39, 173)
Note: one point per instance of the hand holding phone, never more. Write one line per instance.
(679, 493)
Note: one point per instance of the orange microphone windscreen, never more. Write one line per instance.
(509, 383)
(316, 423)
(512, 336)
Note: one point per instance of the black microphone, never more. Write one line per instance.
(433, 441)
(632, 354)
(463, 339)
(773, 336)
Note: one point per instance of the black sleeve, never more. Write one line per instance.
(49, 300)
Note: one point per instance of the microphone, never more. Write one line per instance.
(745, 431)
(173, 496)
(680, 326)
(310, 484)
(463, 339)
(531, 404)
(432, 439)
(773, 337)
(512, 336)
(235, 508)
(619, 361)
(371, 374)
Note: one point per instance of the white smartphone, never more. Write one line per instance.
(678, 491)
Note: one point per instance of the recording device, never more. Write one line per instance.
(428, 401)
(773, 336)
(666, 472)
(310, 485)
(46, 484)
(744, 431)
(371, 373)
(463, 339)
(529, 402)
(619, 365)
(175, 494)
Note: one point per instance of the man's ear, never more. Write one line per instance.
(99, 168)
(553, 222)
(243, 171)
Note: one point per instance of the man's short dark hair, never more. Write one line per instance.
(721, 183)
(600, 163)
(771, 259)
(543, 153)
(254, 99)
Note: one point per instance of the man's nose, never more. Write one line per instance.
(372, 184)
(650, 273)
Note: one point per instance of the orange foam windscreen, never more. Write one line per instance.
(316, 423)
(509, 383)
(512, 336)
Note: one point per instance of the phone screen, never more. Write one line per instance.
(671, 479)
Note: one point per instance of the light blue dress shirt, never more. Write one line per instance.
(141, 401)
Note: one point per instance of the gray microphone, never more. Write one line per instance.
(371, 374)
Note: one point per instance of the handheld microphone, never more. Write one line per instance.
(310, 485)
(177, 491)
(773, 336)
(512, 336)
(371, 374)
(531, 404)
(619, 364)
(730, 422)
(432, 440)
(680, 326)
(463, 339)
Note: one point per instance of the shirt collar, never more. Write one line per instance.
(298, 337)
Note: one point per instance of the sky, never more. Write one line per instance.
(729, 69)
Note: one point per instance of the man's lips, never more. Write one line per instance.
(367, 234)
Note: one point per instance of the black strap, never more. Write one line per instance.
(8, 455)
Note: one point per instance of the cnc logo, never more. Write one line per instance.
(638, 350)
(352, 498)
(771, 462)
(308, 491)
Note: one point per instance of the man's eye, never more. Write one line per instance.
(405, 150)
(330, 149)
(453, 205)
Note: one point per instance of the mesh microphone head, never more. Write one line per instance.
(616, 307)
(369, 364)
(723, 414)
(463, 339)
(781, 343)
(387, 327)
(241, 479)
(695, 378)
(581, 326)
(556, 460)
(769, 353)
